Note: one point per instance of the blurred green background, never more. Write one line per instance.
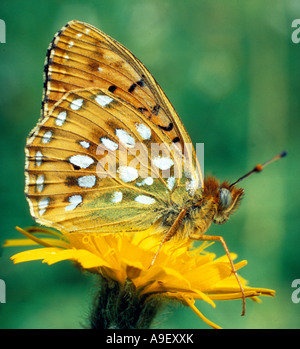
(232, 73)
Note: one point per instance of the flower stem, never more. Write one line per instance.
(119, 306)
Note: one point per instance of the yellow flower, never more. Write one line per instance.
(180, 272)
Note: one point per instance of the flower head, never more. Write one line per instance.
(180, 272)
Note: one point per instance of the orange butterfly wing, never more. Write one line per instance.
(97, 93)
(81, 56)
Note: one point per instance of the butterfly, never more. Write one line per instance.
(88, 160)
(98, 95)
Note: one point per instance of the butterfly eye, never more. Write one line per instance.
(225, 198)
(224, 209)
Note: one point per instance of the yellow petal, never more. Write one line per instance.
(32, 255)
(191, 304)
(85, 258)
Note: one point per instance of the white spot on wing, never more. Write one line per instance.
(109, 144)
(116, 197)
(147, 181)
(40, 183)
(47, 137)
(38, 158)
(125, 138)
(82, 161)
(144, 131)
(61, 118)
(76, 104)
(103, 100)
(127, 173)
(43, 204)
(71, 44)
(84, 144)
(170, 182)
(79, 35)
(164, 163)
(143, 199)
(74, 201)
(86, 181)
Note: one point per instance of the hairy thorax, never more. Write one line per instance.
(193, 215)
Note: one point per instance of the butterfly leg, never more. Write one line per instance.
(219, 238)
(172, 231)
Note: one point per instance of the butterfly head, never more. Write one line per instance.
(221, 200)
(229, 199)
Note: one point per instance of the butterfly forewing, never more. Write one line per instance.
(99, 104)
(81, 56)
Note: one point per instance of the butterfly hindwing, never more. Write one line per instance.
(81, 169)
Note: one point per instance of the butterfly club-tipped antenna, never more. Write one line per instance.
(260, 167)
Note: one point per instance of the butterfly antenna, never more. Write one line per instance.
(260, 167)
